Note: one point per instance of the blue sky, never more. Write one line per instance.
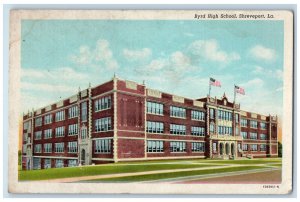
(175, 56)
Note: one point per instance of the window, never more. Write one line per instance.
(155, 146)
(263, 136)
(103, 124)
(177, 146)
(236, 118)
(224, 115)
(38, 121)
(211, 113)
(103, 146)
(214, 147)
(244, 135)
(37, 148)
(224, 130)
(263, 126)
(38, 135)
(73, 112)
(83, 133)
(237, 132)
(155, 108)
(72, 147)
(197, 146)
(197, 131)
(263, 147)
(83, 111)
(60, 116)
(26, 125)
(177, 129)
(177, 112)
(73, 129)
(48, 148)
(253, 147)
(36, 163)
(48, 119)
(47, 133)
(60, 131)
(59, 163)
(198, 115)
(59, 147)
(243, 122)
(102, 103)
(72, 163)
(155, 127)
(253, 124)
(253, 136)
(47, 163)
(245, 147)
(212, 127)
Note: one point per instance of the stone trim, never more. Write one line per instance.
(131, 85)
(154, 93)
(179, 99)
(198, 103)
(115, 144)
(55, 157)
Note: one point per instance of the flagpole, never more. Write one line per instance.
(209, 89)
(234, 94)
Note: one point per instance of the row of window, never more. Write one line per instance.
(158, 127)
(59, 163)
(60, 115)
(158, 108)
(224, 115)
(58, 147)
(253, 124)
(224, 130)
(59, 132)
(102, 103)
(254, 147)
(253, 136)
(175, 146)
(103, 124)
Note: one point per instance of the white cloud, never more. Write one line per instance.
(60, 74)
(278, 74)
(279, 89)
(101, 55)
(188, 34)
(45, 87)
(260, 52)
(210, 50)
(253, 83)
(136, 55)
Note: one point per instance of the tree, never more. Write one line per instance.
(279, 149)
(19, 157)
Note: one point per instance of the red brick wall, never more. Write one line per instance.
(128, 148)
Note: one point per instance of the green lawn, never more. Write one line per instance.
(249, 161)
(99, 170)
(174, 174)
(141, 166)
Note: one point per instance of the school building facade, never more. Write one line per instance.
(122, 120)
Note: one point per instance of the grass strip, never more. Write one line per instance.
(250, 161)
(56, 173)
(159, 176)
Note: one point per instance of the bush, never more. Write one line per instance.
(279, 149)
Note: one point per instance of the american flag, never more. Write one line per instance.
(214, 82)
(240, 90)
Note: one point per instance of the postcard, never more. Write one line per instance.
(151, 101)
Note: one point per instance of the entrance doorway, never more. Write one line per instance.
(227, 149)
(221, 148)
(82, 157)
(232, 149)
